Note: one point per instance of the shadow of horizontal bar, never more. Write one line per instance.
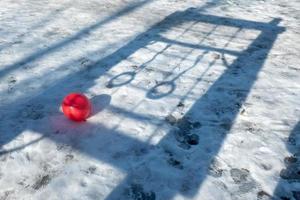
(196, 46)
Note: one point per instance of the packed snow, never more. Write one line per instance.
(191, 99)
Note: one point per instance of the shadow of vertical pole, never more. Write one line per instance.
(221, 93)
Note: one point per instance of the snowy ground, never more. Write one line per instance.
(192, 99)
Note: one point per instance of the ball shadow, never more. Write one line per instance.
(99, 103)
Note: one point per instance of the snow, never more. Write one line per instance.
(191, 99)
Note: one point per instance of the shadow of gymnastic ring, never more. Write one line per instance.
(154, 92)
(121, 79)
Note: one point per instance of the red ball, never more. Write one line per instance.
(76, 107)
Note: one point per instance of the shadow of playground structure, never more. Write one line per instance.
(229, 91)
(227, 94)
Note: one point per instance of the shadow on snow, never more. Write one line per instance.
(227, 94)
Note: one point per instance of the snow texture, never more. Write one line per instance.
(191, 99)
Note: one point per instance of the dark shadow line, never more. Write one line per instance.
(21, 147)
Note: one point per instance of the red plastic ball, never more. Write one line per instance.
(76, 107)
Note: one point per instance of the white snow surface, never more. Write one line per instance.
(191, 99)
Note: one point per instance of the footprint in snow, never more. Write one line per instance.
(41, 181)
(183, 133)
(137, 192)
(33, 111)
(242, 178)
